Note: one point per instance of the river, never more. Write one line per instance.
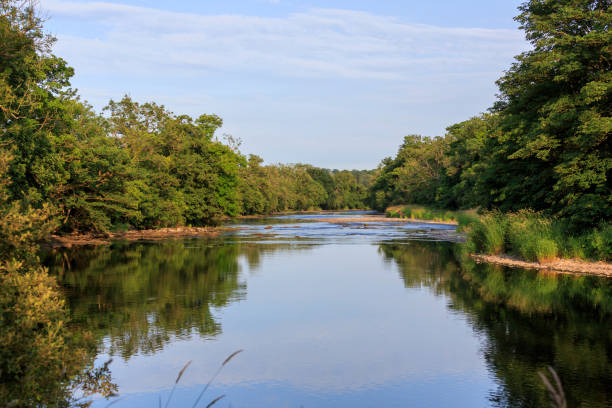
(335, 315)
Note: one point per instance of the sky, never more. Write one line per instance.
(333, 83)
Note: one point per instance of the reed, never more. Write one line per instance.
(178, 378)
(555, 388)
(487, 234)
(533, 236)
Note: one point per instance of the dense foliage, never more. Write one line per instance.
(138, 165)
(546, 143)
(266, 189)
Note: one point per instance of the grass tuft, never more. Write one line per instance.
(178, 378)
(487, 234)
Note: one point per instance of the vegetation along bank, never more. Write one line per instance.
(544, 147)
(538, 163)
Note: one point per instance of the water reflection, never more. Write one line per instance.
(325, 323)
(45, 361)
(137, 297)
(528, 320)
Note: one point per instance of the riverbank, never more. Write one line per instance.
(381, 219)
(281, 213)
(527, 239)
(572, 266)
(524, 239)
(149, 234)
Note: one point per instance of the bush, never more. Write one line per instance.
(530, 236)
(599, 243)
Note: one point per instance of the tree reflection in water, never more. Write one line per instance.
(527, 320)
(138, 297)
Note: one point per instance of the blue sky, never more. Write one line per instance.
(332, 83)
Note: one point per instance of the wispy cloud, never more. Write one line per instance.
(325, 43)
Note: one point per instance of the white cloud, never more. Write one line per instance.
(324, 43)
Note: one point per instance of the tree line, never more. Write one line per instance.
(135, 165)
(544, 145)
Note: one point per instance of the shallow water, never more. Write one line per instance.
(334, 315)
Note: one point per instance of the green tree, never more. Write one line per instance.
(554, 150)
(414, 176)
(254, 184)
(33, 88)
(347, 192)
(467, 162)
(94, 189)
(181, 174)
(43, 360)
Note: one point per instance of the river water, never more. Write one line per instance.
(335, 315)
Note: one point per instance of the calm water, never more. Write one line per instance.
(336, 315)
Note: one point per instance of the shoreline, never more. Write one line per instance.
(381, 218)
(76, 239)
(569, 266)
(274, 214)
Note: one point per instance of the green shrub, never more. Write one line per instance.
(599, 243)
(572, 247)
(465, 219)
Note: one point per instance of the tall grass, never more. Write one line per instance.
(416, 212)
(487, 234)
(178, 378)
(535, 237)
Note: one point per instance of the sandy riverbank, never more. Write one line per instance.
(281, 213)
(378, 218)
(574, 266)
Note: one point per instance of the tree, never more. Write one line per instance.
(33, 88)
(180, 173)
(554, 150)
(43, 360)
(467, 162)
(414, 176)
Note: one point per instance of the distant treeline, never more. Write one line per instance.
(545, 145)
(267, 189)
